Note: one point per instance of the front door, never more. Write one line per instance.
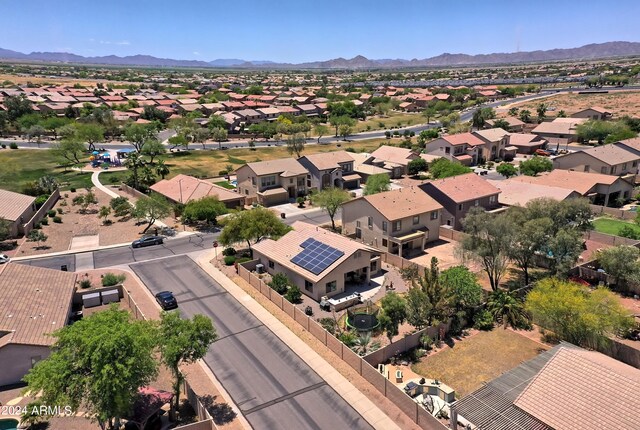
(358, 233)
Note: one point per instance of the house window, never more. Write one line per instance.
(291, 181)
(476, 203)
(268, 181)
(447, 150)
(492, 199)
(603, 170)
(384, 243)
(308, 285)
(624, 166)
(246, 192)
(397, 225)
(587, 168)
(613, 169)
(634, 164)
(253, 181)
(271, 265)
(370, 222)
(358, 224)
(384, 226)
(331, 286)
(460, 207)
(434, 215)
(416, 219)
(301, 182)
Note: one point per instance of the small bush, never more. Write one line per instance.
(60, 211)
(111, 279)
(329, 324)
(3, 146)
(51, 213)
(229, 260)
(222, 172)
(294, 295)
(13, 145)
(37, 226)
(44, 221)
(483, 320)
(228, 251)
(243, 260)
(280, 283)
(85, 283)
(57, 219)
(73, 190)
(40, 200)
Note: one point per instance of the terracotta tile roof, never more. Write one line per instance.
(491, 134)
(288, 246)
(580, 389)
(329, 160)
(520, 193)
(12, 205)
(192, 189)
(609, 154)
(402, 203)
(634, 143)
(463, 138)
(525, 139)
(463, 188)
(581, 182)
(278, 166)
(394, 154)
(34, 302)
(559, 126)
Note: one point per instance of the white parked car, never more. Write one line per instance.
(4, 259)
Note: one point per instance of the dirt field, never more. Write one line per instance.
(56, 80)
(618, 103)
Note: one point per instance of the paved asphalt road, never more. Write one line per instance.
(272, 386)
(126, 255)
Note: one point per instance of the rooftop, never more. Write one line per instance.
(520, 193)
(463, 188)
(402, 203)
(329, 160)
(13, 205)
(184, 188)
(278, 166)
(609, 154)
(581, 182)
(394, 154)
(463, 138)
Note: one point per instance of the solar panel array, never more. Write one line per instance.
(316, 256)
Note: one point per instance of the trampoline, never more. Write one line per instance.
(363, 318)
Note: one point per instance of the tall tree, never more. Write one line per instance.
(251, 226)
(152, 148)
(525, 115)
(507, 170)
(152, 208)
(295, 144)
(134, 163)
(377, 183)
(535, 165)
(330, 200)
(98, 365)
(17, 106)
(394, 312)
(621, 262)
(541, 109)
(138, 134)
(321, 130)
(90, 133)
(162, 169)
(528, 240)
(69, 150)
(183, 341)
(219, 134)
(201, 135)
(438, 296)
(205, 209)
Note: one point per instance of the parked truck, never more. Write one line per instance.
(328, 304)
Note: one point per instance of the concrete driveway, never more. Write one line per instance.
(272, 386)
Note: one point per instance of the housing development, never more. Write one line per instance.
(450, 242)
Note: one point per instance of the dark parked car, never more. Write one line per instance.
(166, 300)
(147, 241)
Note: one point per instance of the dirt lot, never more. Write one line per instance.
(620, 103)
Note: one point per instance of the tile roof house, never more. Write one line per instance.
(600, 189)
(465, 148)
(594, 112)
(35, 302)
(393, 159)
(16, 208)
(272, 182)
(458, 194)
(515, 125)
(526, 143)
(396, 221)
(606, 159)
(565, 387)
(560, 130)
(345, 262)
(330, 169)
(519, 193)
(496, 144)
(184, 188)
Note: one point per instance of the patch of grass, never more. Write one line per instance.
(391, 120)
(112, 178)
(235, 160)
(478, 359)
(225, 184)
(612, 226)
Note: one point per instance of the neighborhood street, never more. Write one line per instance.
(272, 386)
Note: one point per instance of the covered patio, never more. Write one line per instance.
(403, 245)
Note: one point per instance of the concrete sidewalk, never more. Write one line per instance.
(365, 407)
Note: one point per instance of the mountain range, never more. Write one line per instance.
(586, 52)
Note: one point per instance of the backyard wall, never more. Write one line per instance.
(616, 213)
(41, 213)
(608, 239)
(384, 386)
(132, 191)
(451, 234)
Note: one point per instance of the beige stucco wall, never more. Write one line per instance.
(578, 161)
(15, 361)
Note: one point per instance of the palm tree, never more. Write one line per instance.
(147, 177)
(507, 309)
(134, 162)
(542, 111)
(525, 115)
(362, 343)
(162, 169)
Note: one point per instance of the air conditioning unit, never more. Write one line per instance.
(259, 268)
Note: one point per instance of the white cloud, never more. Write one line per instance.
(196, 53)
(123, 42)
(108, 42)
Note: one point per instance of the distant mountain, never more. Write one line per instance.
(586, 52)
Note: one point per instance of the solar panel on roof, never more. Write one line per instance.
(316, 256)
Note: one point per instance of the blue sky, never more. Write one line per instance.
(304, 30)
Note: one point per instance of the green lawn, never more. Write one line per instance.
(612, 226)
(225, 184)
(109, 178)
(19, 166)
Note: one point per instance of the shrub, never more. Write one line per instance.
(222, 172)
(329, 324)
(51, 213)
(3, 146)
(13, 145)
(60, 211)
(85, 283)
(294, 295)
(44, 221)
(228, 251)
(229, 260)
(40, 200)
(57, 219)
(37, 226)
(243, 260)
(483, 320)
(111, 279)
(280, 283)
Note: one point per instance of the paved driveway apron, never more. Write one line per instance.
(272, 386)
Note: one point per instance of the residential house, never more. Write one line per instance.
(496, 144)
(272, 182)
(397, 221)
(184, 188)
(392, 159)
(269, 113)
(560, 131)
(363, 169)
(600, 189)
(408, 107)
(517, 193)
(605, 159)
(317, 261)
(34, 303)
(330, 169)
(631, 145)
(18, 209)
(526, 143)
(309, 109)
(249, 116)
(458, 194)
(515, 125)
(594, 112)
(464, 148)
(557, 389)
